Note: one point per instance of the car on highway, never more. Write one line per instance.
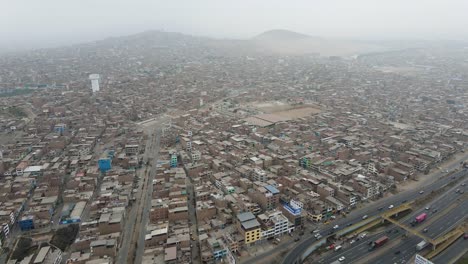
(421, 192)
(390, 206)
(427, 207)
(364, 217)
(316, 231)
(352, 241)
(463, 184)
(380, 208)
(465, 236)
(318, 237)
(434, 211)
(363, 235)
(397, 252)
(336, 227)
(425, 230)
(342, 258)
(297, 239)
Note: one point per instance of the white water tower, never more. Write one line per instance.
(94, 82)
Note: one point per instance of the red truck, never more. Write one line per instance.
(379, 242)
(419, 218)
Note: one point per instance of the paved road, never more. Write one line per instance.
(193, 225)
(294, 255)
(147, 206)
(359, 249)
(439, 227)
(453, 253)
(128, 243)
(407, 247)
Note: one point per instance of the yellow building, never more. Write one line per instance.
(249, 227)
(315, 217)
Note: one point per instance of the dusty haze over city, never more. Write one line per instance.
(233, 131)
(49, 23)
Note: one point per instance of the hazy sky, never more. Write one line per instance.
(29, 23)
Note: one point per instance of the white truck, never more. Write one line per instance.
(421, 245)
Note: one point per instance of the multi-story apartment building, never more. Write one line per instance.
(249, 227)
(267, 197)
(275, 224)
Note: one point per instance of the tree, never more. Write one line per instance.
(64, 237)
(22, 248)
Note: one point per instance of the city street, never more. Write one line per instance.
(196, 258)
(132, 247)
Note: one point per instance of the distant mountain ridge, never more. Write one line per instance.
(286, 42)
(281, 34)
(273, 42)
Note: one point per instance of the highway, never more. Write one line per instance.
(452, 253)
(407, 247)
(295, 254)
(359, 249)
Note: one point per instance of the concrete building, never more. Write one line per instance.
(48, 255)
(249, 227)
(275, 224)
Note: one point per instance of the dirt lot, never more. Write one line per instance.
(298, 112)
(286, 110)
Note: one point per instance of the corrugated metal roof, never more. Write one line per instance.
(272, 189)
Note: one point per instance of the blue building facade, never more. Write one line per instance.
(26, 223)
(105, 164)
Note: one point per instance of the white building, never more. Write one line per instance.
(275, 224)
(94, 82)
(259, 175)
(196, 156)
